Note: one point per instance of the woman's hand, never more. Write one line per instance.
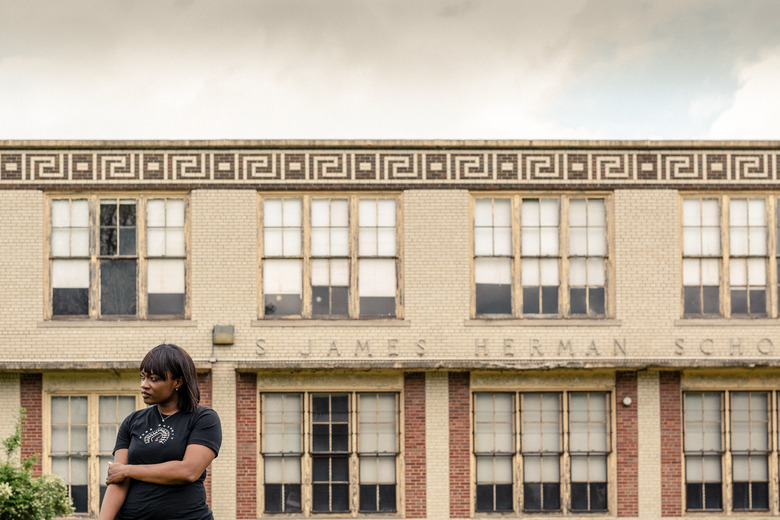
(117, 473)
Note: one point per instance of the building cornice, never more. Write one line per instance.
(371, 165)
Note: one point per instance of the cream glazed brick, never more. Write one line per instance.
(437, 448)
(649, 419)
(223, 469)
(437, 257)
(647, 268)
(22, 236)
(9, 403)
(224, 264)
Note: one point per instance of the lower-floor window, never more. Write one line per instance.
(332, 441)
(522, 442)
(81, 443)
(727, 433)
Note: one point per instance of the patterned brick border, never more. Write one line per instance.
(415, 471)
(600, 165)
(31, 389)
(671, 444)
(627, 445)
(246, 450)
(460, 453)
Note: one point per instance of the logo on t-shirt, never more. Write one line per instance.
(160, 434)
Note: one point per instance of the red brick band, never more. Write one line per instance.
(31, 389)
(627, 444)
(246, 450)
(671, 444)
(460, 455)
(415, 461)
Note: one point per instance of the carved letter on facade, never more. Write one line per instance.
(535, 344)
(480, 346)
(509, 348)
(392, 347)
(765, 346)
(363, 346)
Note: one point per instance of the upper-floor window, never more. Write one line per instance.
(728, 262)
(330, 256)
(82, 434)
(117, 256)
(330, 452)
(542, 256)
(542, 451)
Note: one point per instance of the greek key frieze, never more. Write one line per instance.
(382, 166)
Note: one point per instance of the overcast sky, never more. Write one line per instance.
(381, 69)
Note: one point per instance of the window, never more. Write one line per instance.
(83, 433)
(330, 440)
(541, 256)
(557, 430)
(106, 251)
(743, 447)
(727, 256)
(330, 257)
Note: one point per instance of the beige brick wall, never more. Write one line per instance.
(649, 417)
(9, 403)
(436, 296)
(437, 447)
(223, 469)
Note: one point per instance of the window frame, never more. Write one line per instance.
(565, 453)
(141, 255)
(354, 257)
(727, 453)
(724, 258)
(564, 256)
(353, 452)
(94, 473)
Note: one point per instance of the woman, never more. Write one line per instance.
(162, 452)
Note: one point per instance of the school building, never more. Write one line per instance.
(408, 329)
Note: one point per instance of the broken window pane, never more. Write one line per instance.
(118, 287)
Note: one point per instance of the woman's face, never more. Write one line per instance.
(159, 391)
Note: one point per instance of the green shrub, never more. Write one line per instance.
(22, 496)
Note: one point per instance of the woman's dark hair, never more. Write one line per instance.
(173, 361)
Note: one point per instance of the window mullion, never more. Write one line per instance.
(93, 466)
(517, 467)
(399, 258)
(354, 463)
(143, 281)
(726, 458)
(517, 259)
(564, 306)
(94, 261)
(306, 257)
(610, 290)
(771, 246)
(353, 221)
(773, 453)
(725, 251)
(566, 462)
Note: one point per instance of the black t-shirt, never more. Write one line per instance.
(149, 440)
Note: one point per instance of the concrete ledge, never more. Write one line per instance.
(91, 324)
(546, 322)
(272, 323)
(386, 144)
(87, 365)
